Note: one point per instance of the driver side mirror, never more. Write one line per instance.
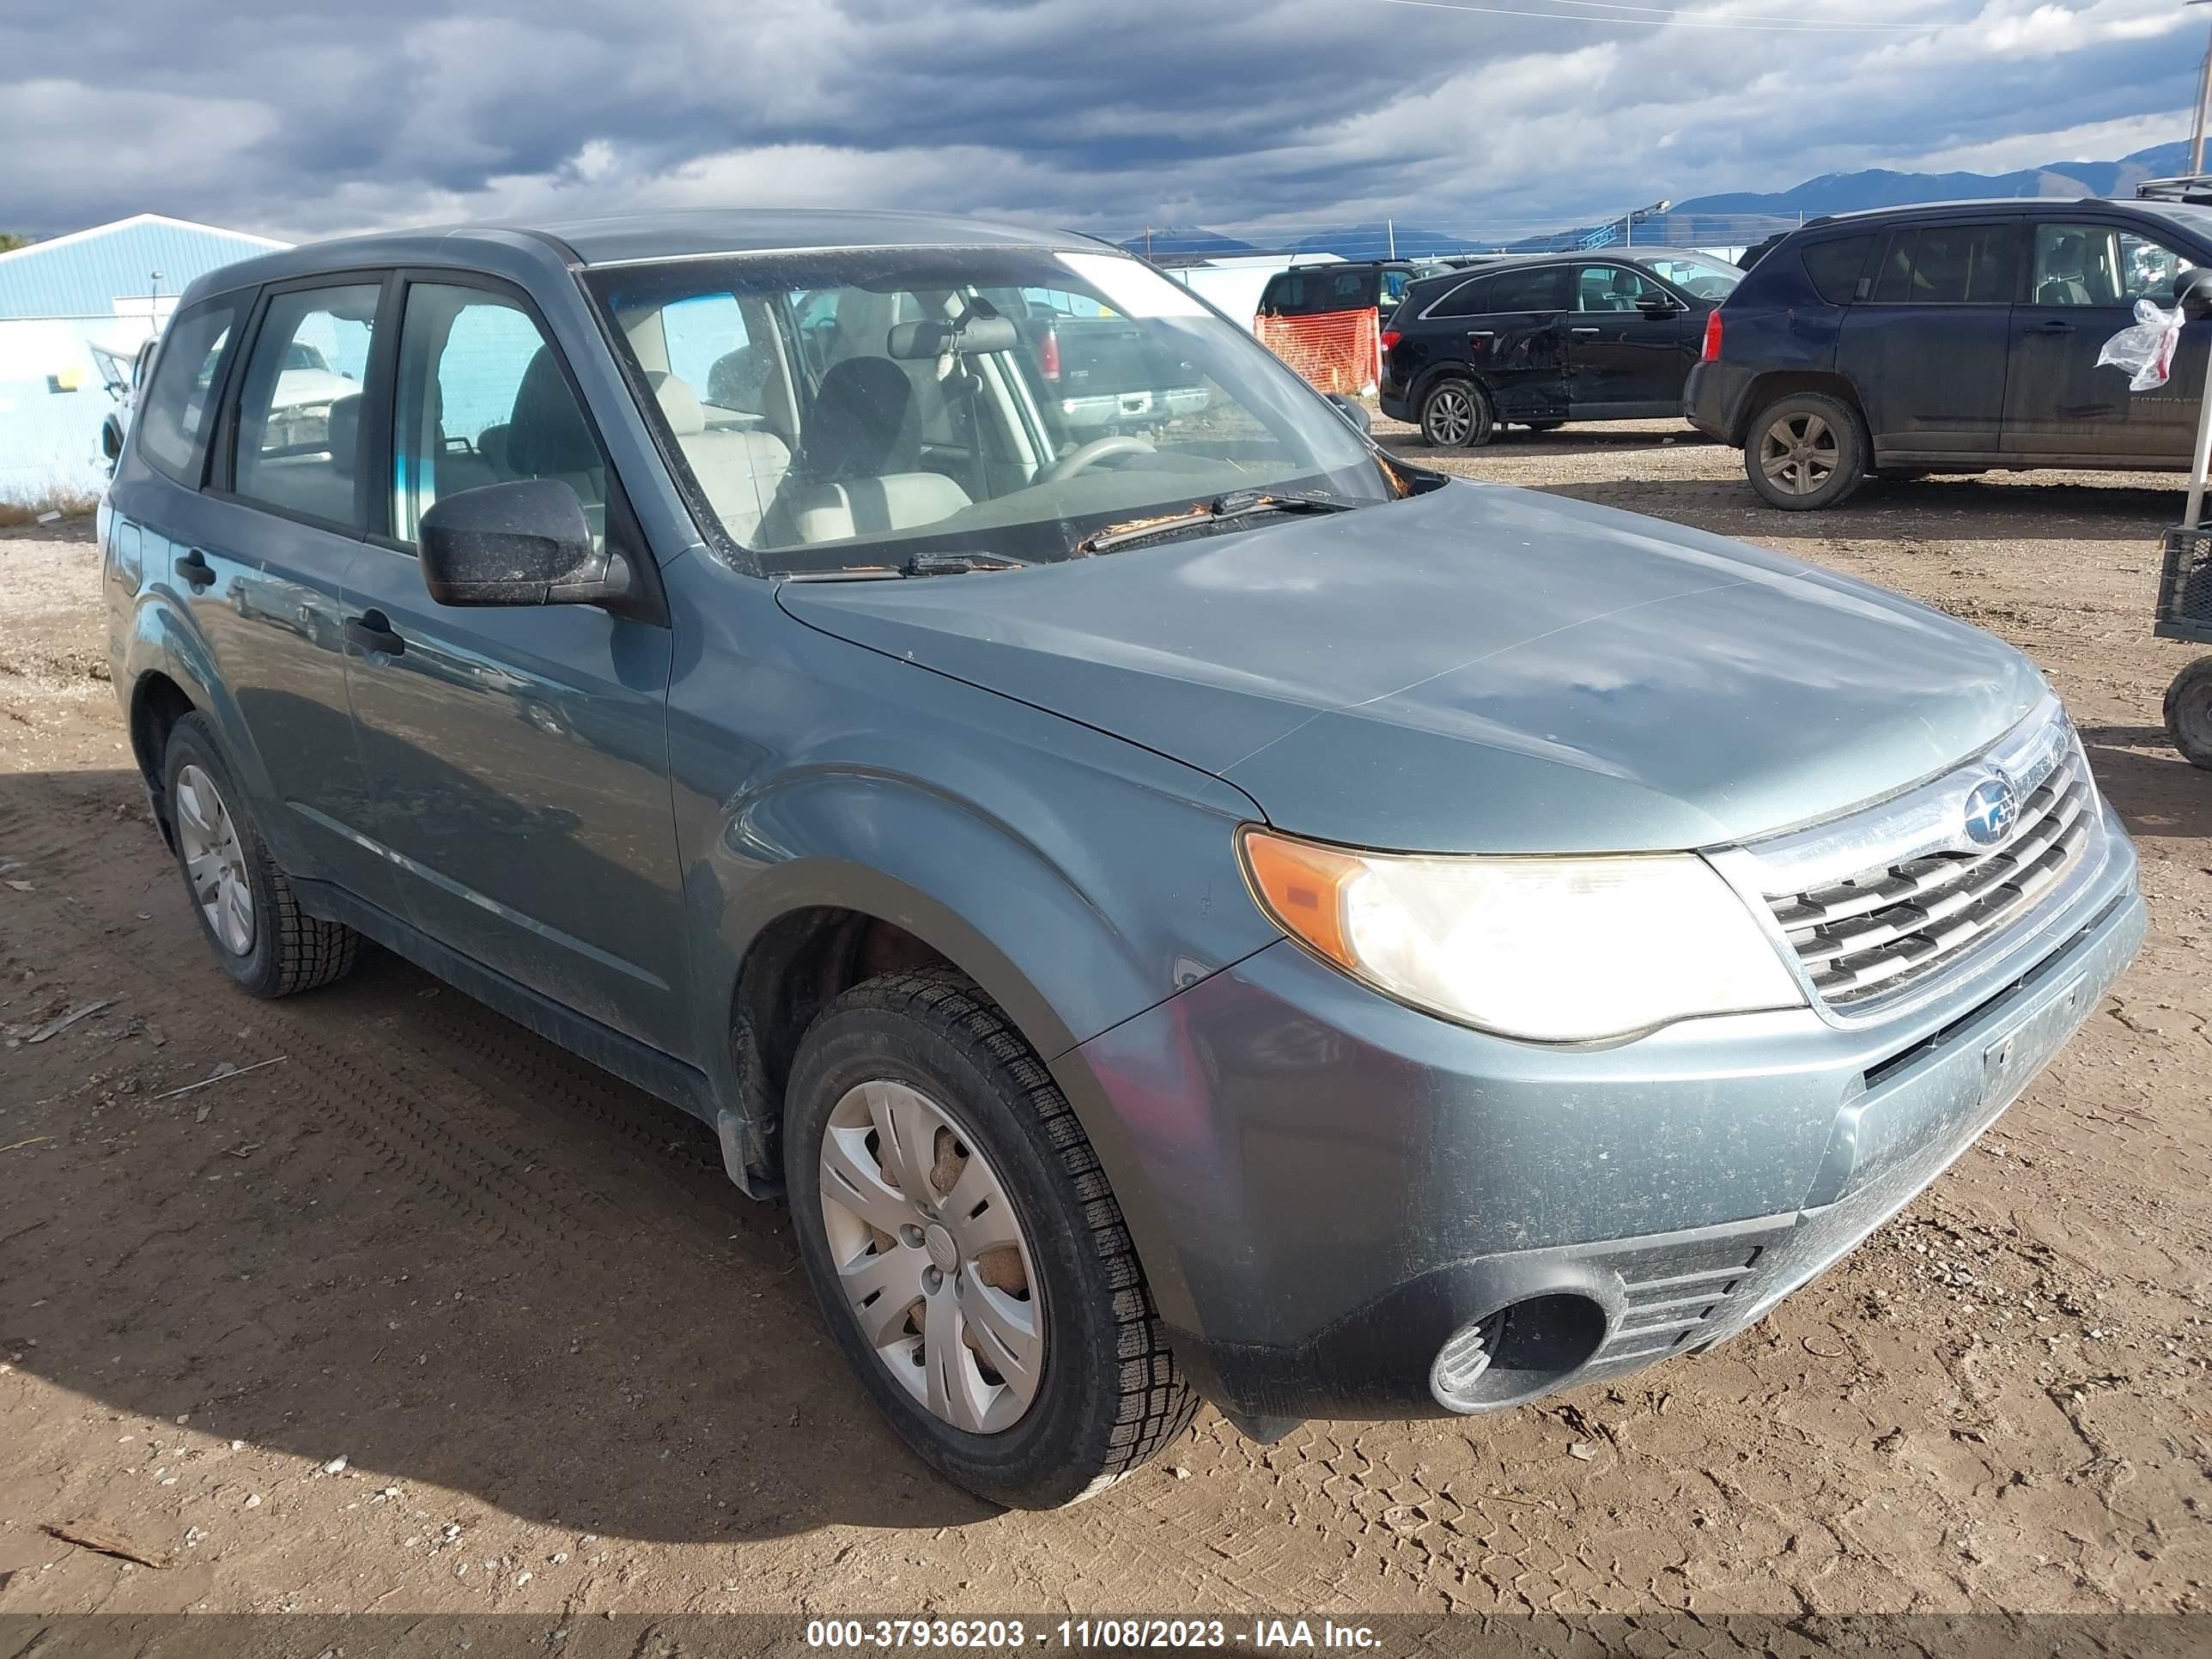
(1354, 412)
(525, 542)
(1657, 305)
(2193, 293)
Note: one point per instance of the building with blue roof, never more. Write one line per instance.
(111, 287)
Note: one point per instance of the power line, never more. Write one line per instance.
(1677, 20)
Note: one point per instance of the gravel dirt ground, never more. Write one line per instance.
(415, 1313)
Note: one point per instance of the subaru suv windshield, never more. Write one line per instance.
(849, 410)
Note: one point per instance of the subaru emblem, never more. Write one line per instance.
(1991, 811)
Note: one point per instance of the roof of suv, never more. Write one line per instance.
(1984, 207)
(677, 234)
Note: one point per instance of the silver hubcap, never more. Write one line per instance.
(1451, 417)
(215, 862)
(1798, 453)
(932, 1257)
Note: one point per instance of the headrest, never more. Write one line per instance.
(859, 426)
(679, 405)
(546, 435)
(934, 337)
(344, 436)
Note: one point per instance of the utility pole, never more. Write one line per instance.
(2203, 99)
(1148, 241)
(1390, 226)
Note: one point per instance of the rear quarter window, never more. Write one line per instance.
(1836, 265)
(178, 410)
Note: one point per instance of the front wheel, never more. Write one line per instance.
(2189, 713)
(1806, 452)
(966, 1249)
(1456, 415)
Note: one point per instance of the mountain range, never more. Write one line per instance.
(1714, 221)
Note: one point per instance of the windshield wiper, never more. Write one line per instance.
(921, 564)
(1237, 504)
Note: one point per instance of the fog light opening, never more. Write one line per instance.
(1521, 1350)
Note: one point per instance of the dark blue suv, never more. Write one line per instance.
(1950, 339)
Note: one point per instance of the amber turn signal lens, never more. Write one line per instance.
(1301, 886)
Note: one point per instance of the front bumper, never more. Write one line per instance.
(1087, 412)
(1328, 1187)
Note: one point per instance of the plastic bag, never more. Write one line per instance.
(2147, 348)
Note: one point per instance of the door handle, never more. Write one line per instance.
(195, 570)
(1583, 331)
(2054, 326)
(372, 631)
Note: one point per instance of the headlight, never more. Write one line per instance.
(1553, 950)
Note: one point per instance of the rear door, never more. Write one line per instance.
(264, 571)
(1511, 327)
(1929, 348)
(2084, 279)
(520, 752)
(1621, 359)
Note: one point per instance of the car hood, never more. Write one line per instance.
(1477, 669)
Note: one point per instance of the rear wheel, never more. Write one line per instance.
(2189, 713)
(1805, 451)
(245, 906)
(967, 1250)
(1456, 415)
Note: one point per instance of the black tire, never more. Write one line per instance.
(1456, 414)
(290, 950)
(1816, 444)
(1109, 1395)
(2189, 713)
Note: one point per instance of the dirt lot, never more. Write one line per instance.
(422, 1315)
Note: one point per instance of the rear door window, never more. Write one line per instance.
(178, 408)
(299, 406)
(709, 350)
(1950, 264)
(1510, 290)
(1528, 290)
(1835, 266)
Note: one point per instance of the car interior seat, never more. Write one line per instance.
(856, 469)
(739, 470)
(547, 437)
(2063, 280)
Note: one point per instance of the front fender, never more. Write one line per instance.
(1073, 915)
(1059, 933)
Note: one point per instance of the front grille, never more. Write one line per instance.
(1872, 932)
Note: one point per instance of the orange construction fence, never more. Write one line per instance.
(1334, 350)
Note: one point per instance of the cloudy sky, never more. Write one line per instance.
(300, 120)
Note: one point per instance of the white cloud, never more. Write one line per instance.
(293, 117)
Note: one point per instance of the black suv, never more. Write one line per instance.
(1542, 340)
(1950, 339)
(1348, 285)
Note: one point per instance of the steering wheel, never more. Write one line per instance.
(1086, 456)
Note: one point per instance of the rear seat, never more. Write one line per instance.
(740, 471)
